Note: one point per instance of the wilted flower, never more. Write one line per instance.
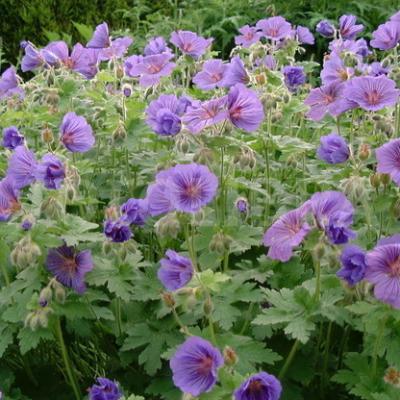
(286, 233)
(12, 138)
(32, 59)
(50, 171)
(348, 28)
(156, 45)
(333, 149)
(325, 28)
(294, 76)
(261, 386)
(135, 211)
(162, 115)
(195, 366)
(70, 267)
(387, 36)
(383, 270)
(244, 108)
(105, 389)
(117, 231)
(211, 76)
(372, 93)
(176, 271)
(200, 115)
(22, 167)
(76, 134)
(249, 35)
(190, 43)
(9, 202)
(274, 28)
(388, 157)
(353, 264)
(149, 69)
(9, 84)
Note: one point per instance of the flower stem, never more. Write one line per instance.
(118, 316)
(67, 361)
(289, 359)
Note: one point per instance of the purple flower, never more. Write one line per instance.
(201, 115)
(235, 73)
(50, 171)
(55, 53)
(287, 232)
(183, 103)
(27, 223)
(383, 271)
(162, 115)
(388, 157)
(269, 62)
(105, 389)
(335, 70)
(387, 36)
(150, 69)
(190, 43)
(274, 28)
(84, 61)
(195, 366)
(333, 149)
(294, 77)
(101, 37)
(337, 230)
(156, 45)
(12, 138)
(70, 267)
(249, 35)
(9, 202)
(117, 231)
(22, 167)
(135, 211)
(191, 187)
(331, 210)
(353, 265)
(176, 271)
(32, 59)
(9, 84)
(245, 109)
(375, 69)
(76, 134)
(348, 28)
(363, 49)
(158, 195)
(325, 28)
(372, 93)
(304, 36)
(326, 99)
(242, 205)
(261, 386)
(211, 76)
(395, 17)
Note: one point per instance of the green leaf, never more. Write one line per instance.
(29, 339)
(84, 30)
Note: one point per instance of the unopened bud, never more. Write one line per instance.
(230, 356)
(220, 243)
(119, 72)
(364, 152)
(392, 377)
(34, 322)
(168, 299)
(52, 208)
(396, 209)
(168, 226)
(319, 251)
(43, 320)
(107, 247)
(242, 205)
(204, 156)
(375, 180)
(60, 294)
(47, 135)
(182, 143)
(45, 295)
(261, 79)
(52, 98)
(111, 212)
(385, 179)
(27, 222)
(119, 133)
(127, 90)
(208, 306)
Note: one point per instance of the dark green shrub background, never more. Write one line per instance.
(42, 20)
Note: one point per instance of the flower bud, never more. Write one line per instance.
(120, 132)
(375, 180)
(354, 188)
(47, 135)
(71, 193)
(392, 377)
(198, 217)
(106, 247)
(364, 152)
(319, 251)
(127, 90)
(28, 319)
(27, 222)
(168, 299)
(167, 226)
(119, 72)
(182, 144)
(385, 179)
(60, 294)
(242, 205)
(204, 156)
(208, 306)
(43, 320)
(396, 209)
(111, 212)
(46, 295)
(230, 356)
(25, 253)
(52, 98)
(52, 208)
(34, 322)
(220, 243)
(261, 79)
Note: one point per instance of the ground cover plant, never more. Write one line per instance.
(179, 226)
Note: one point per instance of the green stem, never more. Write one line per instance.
(247, 319)
(226, 261)
(118, 316)
(184, 328)
(326, 355)
(67, 361)
(376, 347)
(5, 274)
(190, 244)
(212, 330)
(289, 360)
(317, 267)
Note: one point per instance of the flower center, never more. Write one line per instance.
(395, 268)
(216, 77)
(205, 365)
(69, 63)
(187, 47)
(328, 98)
(68, 138)
(154, 69)
(273, 32)
(70, 265)
(373, 97)
(236, 112)
(192, 191)
(343, 74)
(255, 387)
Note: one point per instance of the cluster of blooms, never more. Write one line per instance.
(185, 188)
(195, 367)
(347, 80)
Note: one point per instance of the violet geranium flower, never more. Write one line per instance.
(333, 149)
(294, 76)
(135, 211)
(195, 366)
(76, 134)
(190, 43)
(9, 202)
(245, 109)
(32, 59)
(334, 70)
(372, 93)
(22, 167)
(176, 271)
(325, 28)
(248, 36)
(117, 231)
(70, 267)
(235, 73)
(286, 233)
(156, 45)
(348, 28)
(387, 36)
(304, 35)
(12, 138)
(353, 265)
(274, 28)
(388, 157)
(261, 386)
(50, 171)
(105, 389)
(9, 84)
(211, 76)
